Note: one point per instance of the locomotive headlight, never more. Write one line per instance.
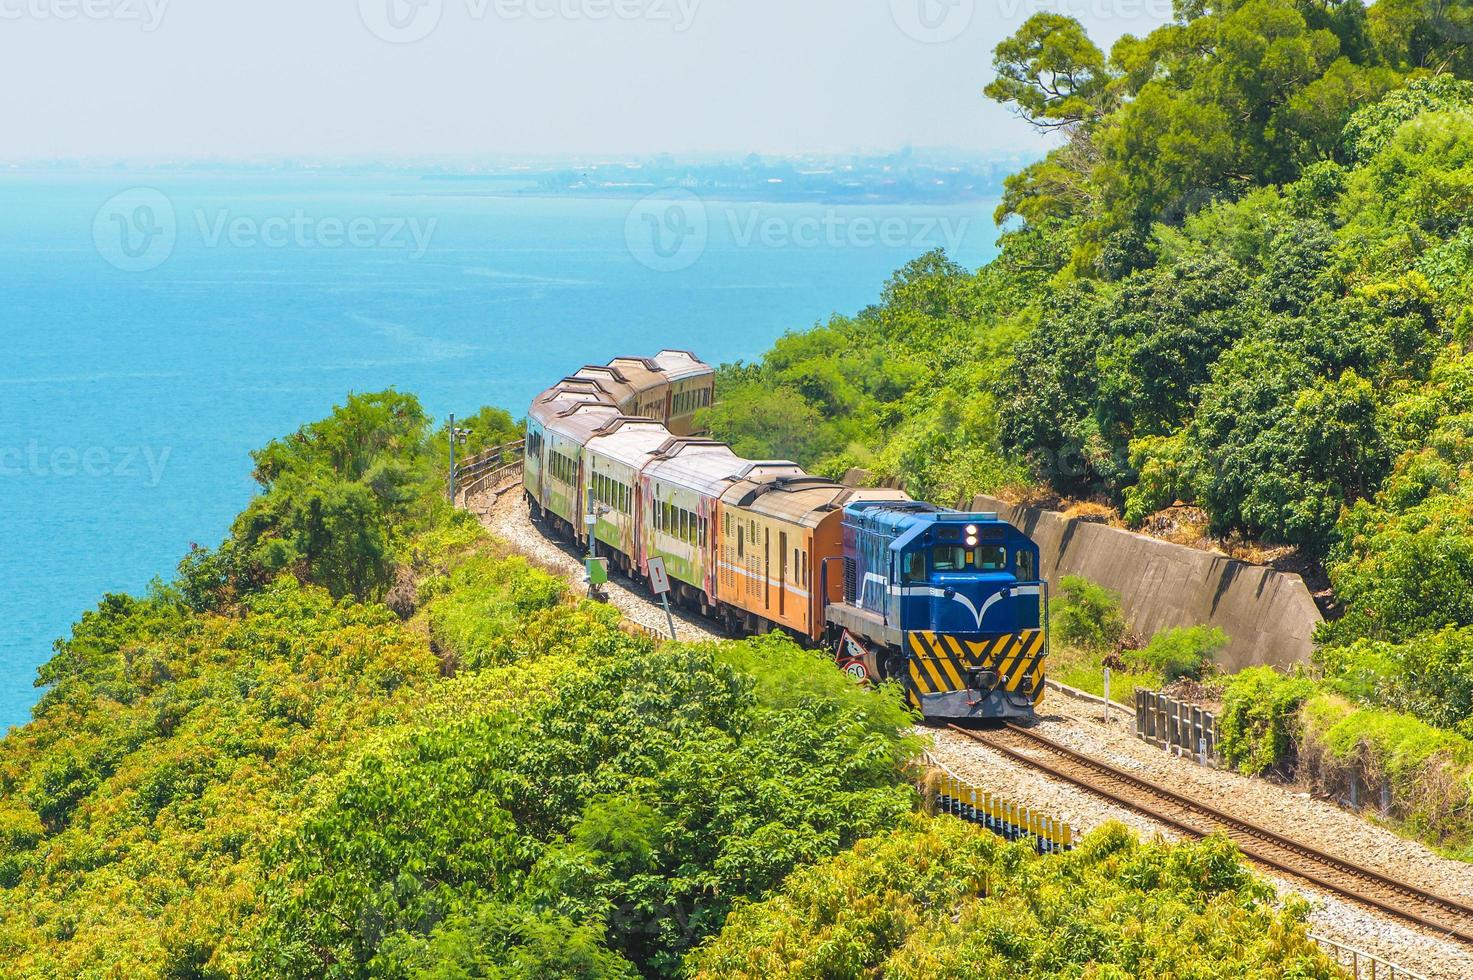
(972, 542)
(971, 530)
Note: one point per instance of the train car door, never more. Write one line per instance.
(782, 573)
(767, 568)
(581, 531)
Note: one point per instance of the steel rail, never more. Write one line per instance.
(1461, 929)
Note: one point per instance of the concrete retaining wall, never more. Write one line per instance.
(1269, 616)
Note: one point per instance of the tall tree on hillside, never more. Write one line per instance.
(1225, 99)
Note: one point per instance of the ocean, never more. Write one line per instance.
(160, 326)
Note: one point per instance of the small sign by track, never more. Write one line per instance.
(660, 586)
(659, 578)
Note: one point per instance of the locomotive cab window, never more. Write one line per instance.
(955, 558)
(913, 566)
(1026, 571)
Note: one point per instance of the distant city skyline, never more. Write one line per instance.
(462, 79)
(539, 161)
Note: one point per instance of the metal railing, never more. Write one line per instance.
(1171, 724)
(649, 632)
(490, 468)
(1362, 965)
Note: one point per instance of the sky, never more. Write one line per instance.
(375, 79)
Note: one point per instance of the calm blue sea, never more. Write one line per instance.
(159, 327)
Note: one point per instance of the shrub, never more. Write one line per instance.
(1164, 467)
(1183, 652)
(650, 790)
(1430, 676)
(1259, 719)
(1428, 772)
(509, 943)
(939, 898)
(1087, 616)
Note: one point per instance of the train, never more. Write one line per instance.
(948, 604)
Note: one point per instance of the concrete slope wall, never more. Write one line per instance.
(1269, 616)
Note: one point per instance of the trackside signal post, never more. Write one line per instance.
(660, 585)
(597, 568)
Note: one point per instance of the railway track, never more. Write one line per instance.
(1194, 818)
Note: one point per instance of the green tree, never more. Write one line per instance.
(1051, 72)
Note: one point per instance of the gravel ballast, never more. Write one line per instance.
(1079, 725)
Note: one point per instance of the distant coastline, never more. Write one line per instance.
(905, 177)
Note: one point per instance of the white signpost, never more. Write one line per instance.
(660, 584)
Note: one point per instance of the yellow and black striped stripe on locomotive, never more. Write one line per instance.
(939, 663)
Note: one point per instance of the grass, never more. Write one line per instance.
(1081, 669)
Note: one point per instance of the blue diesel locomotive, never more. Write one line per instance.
(947, 603)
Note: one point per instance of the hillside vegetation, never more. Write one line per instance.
(1242, 280)
(261, 769)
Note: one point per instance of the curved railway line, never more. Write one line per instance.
(1397, 900)
(1197, 819)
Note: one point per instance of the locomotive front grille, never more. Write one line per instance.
(1014, 663)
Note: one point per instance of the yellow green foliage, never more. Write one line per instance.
(940, 898)
(1427, 771)
(134, 810)
(175, 748)
(638, 794)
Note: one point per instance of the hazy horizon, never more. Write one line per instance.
(531, 158)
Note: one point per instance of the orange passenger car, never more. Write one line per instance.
(776, 527)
